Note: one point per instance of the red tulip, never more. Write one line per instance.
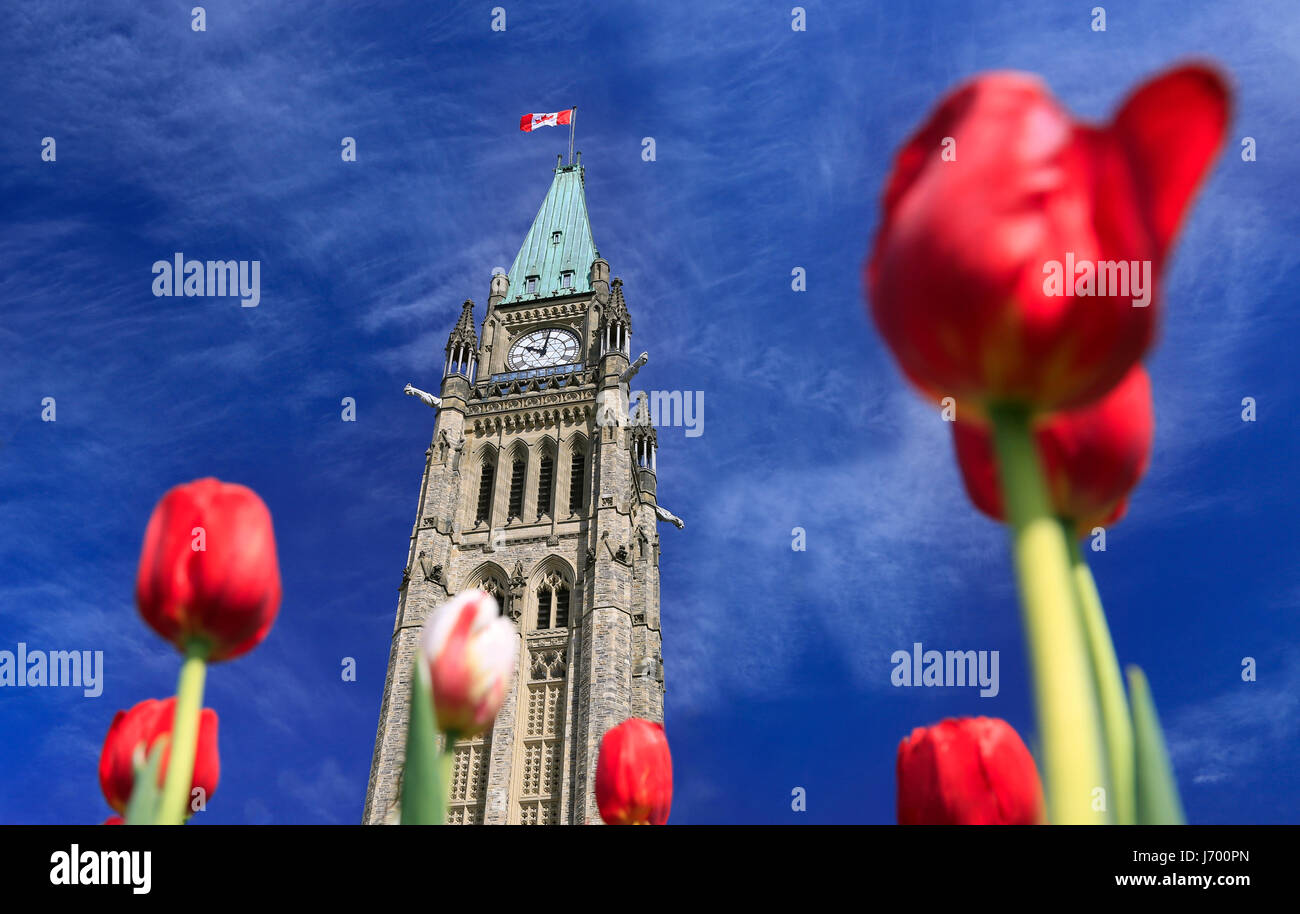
(634, 774)
(208, 569)
(1092, 457)
(967, 771)
(114, 820)
(957, 274)
(471, 652)
(141, 727)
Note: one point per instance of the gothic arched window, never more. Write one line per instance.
(577, 481)
(516, 489)
(487, 475)
(545, 486)
(553, 602)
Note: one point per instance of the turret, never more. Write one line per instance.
(462, 350)
(615, 322)
(600, 279)
(499, 288)
(644, 444)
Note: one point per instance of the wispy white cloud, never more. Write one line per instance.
(1241, 731)
(771, 150)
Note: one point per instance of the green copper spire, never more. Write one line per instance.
(559, 242)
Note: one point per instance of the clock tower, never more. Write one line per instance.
(539, 488)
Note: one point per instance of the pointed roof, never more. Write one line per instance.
(463, 332)
(559, 241)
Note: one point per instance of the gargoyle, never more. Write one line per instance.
(632, 369)
(426, 398)
(665, 514)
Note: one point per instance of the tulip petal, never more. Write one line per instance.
(1171, 129)
(208, 568)
(1092, 457)
(470, 653)
(967, 771)
(634, 774)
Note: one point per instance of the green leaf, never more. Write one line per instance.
(146, 797)
(1116, 720)
(1157, 792)
(424, 793)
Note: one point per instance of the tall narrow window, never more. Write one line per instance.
(516, 489)
(545, 475)
(562, 607)
(544, 608)
(488, 474)
(577, 474)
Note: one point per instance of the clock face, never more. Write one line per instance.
(544, 349)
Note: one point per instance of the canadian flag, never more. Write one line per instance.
(532, 121)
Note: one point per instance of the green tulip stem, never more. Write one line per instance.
(426, 775)
(1069, 723)
(184, 737)
(1116, 720)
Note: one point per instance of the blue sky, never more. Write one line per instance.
(771, 149)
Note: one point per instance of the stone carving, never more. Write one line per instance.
(630, 372)
(649, 666)
(641, 414)
(517, 585)
(456, 449)
(432, 571)
(426, 398)
(665, 514)
(548, 665)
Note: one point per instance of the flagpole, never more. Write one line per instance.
(573, 117)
